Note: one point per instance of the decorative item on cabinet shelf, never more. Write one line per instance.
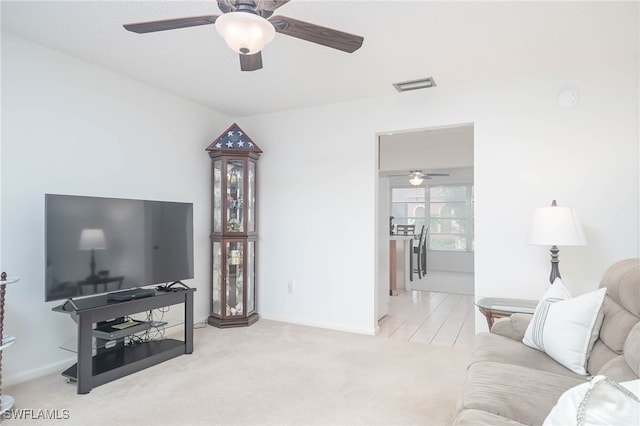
(234, 226)
(236, 257)
(234, 140)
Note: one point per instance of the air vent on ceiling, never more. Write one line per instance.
(423, 83)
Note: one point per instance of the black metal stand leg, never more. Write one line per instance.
(188, 323)
(85, 355)
(410, 260)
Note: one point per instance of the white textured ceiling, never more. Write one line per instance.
(456, 43)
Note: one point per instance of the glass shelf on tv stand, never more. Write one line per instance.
(7, 341)
(153, 332)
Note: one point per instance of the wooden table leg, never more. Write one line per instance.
(488, 315)
(393, 290)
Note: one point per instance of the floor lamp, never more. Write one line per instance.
(556, 226)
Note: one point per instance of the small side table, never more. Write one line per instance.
(495, 307)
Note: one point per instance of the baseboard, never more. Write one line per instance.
(56, 367)
(325, 325)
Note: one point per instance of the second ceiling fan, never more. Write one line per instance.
(417, 176)
(247, 25)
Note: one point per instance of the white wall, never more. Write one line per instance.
(443, 147)
(383, 211)
(318, 185)
(72, 128)
(451, 261)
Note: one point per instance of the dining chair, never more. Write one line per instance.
(423, 264)
(405, 229)
(419, 252)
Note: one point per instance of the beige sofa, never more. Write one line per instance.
(510, 383)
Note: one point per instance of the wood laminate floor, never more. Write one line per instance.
(434, 318)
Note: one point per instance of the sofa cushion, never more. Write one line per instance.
(616, 324)
(618, 370)
(605, 361)
(482, 418)
(513, 326)
(602, 401)
(632, 349)
(621, 281)
(496, 348)
(519, 393)
(621, 311)
(567, 329)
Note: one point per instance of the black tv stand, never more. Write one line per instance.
(112, 363)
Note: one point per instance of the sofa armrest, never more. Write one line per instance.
(512, 327)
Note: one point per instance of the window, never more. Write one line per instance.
(451, 217)
(408, 206)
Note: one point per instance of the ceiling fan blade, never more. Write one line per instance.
(251, 62)
(419, 174)
(270, 4)
(317, 34)
(170, 24)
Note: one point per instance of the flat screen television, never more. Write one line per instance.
(101, 245)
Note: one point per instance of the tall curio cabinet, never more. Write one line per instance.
(234, 228)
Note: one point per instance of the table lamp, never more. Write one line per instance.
(556, 226)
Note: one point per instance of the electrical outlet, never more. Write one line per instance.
(290, 286)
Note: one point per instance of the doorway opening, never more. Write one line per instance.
(436, 307)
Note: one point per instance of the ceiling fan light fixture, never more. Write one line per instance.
(244, 32)
(416, 179)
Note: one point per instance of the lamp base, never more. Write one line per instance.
(555, 261)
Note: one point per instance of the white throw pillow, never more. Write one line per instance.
(601, 401)
(556, 291)
(567, 329)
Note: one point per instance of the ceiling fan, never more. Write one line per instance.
(416, 176)
(247, 25)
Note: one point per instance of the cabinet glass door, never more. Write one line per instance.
(235, 268)
(217, 196)
(235, 195)
(251, 273)
(251, 197)
(217, 278)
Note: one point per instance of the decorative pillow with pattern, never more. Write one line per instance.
(602, 401)
(567, 329)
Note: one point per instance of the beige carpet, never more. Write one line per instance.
(271, 373)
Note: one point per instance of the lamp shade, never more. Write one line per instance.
(557, 226)
(244, 32)
(92, 239)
